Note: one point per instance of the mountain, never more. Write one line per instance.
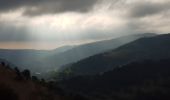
(31, 59)
(83, 51)
(139, 80)
(154, 48)
(62, 49)
(42, 61)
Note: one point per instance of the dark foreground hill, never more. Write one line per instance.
(16, 85)
(142, 80)
(154, 48)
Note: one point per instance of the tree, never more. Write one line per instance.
(35, 79)
(8, 66)
(17, 71)
(3, 63)
(19, 75)
(26, 74)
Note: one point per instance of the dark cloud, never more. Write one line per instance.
(36, 7)
(148, 8)
(130, 14)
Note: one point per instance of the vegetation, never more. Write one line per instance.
(26, 74)
(20, 85)
(143, 80)
(3, 63)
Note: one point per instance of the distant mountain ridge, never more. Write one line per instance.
(29, 58)
(154, 48)
(83, 51)
(45, 60)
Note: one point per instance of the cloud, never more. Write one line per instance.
(38, 7)
(74, 21)
(142, 9)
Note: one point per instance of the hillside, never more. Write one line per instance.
(155, 48)
(13, 89)
(16, 85)
(83, 51)
(139, 80)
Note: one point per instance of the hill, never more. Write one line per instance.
(42, 61)
(16, 85)
(13, 89)
(139, 80)
(154, 48)
(31, 59)
(83, 51)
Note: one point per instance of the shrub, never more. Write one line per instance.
(3, 63)
(35, 79)
(26, 74)
(19, 75)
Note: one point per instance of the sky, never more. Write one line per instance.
(48, 24)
